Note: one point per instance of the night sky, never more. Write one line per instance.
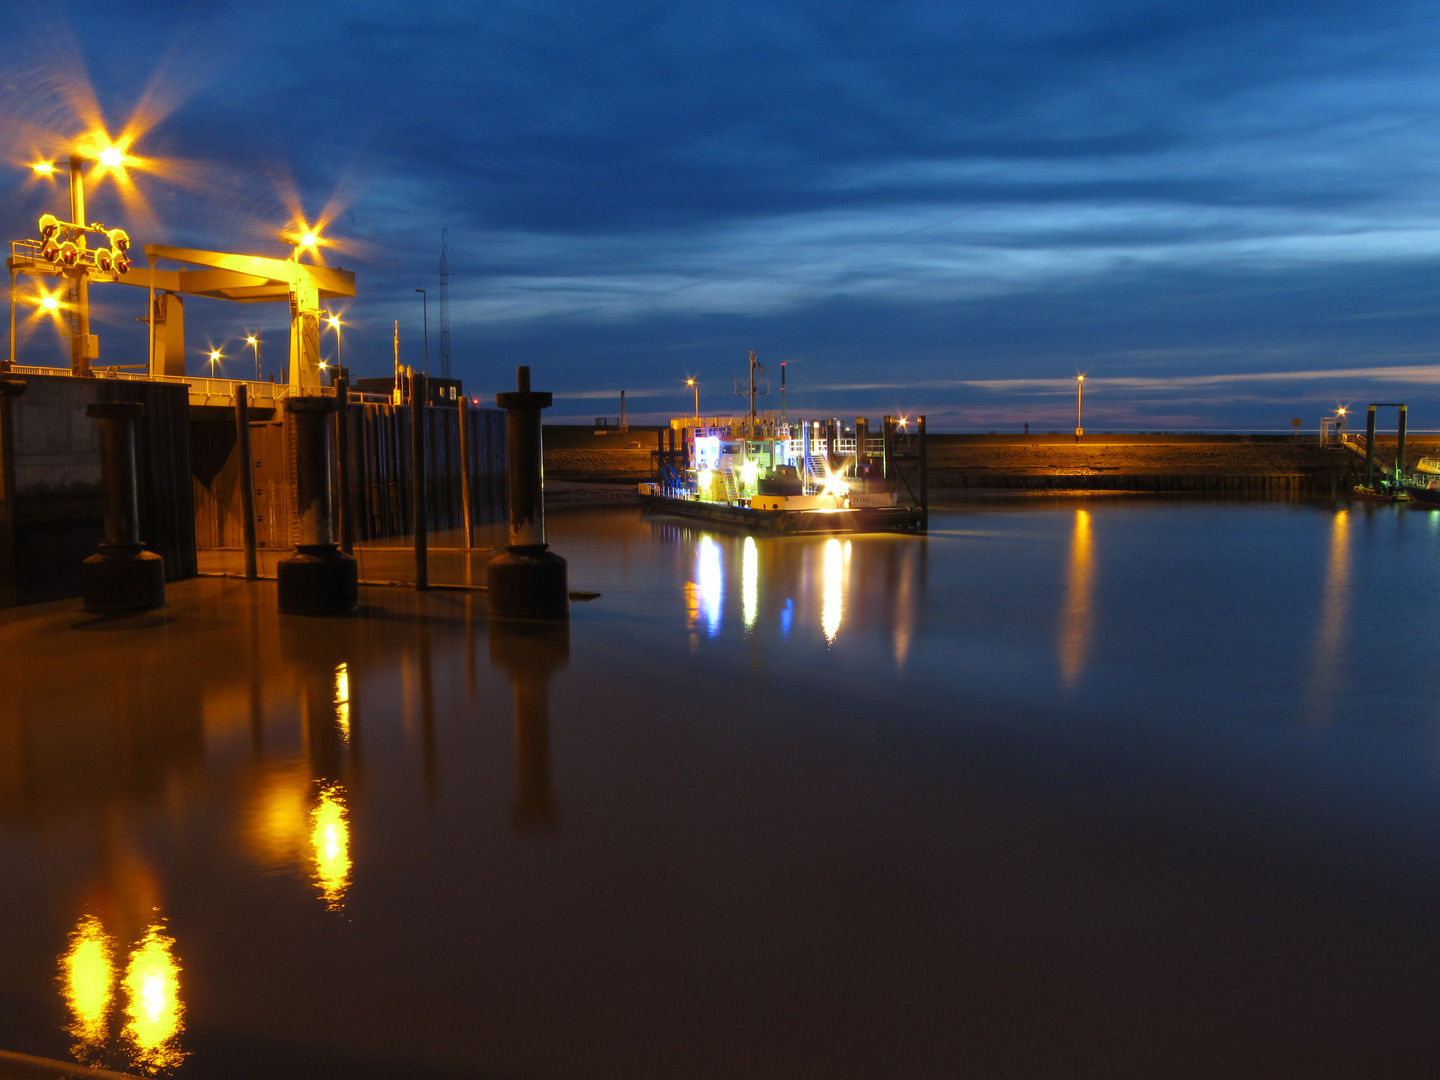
(1225, 214)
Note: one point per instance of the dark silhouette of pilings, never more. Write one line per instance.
(122, 575)
(528, 580)
(317, 578)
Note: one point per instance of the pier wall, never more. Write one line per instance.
(1201, 463)
(52, 505)
(380, 470)
(580, 452)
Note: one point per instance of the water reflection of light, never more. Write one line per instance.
(88, 975)
(152, 982)
(832, 604)
(330, 839)
(710, 578)
(904, 609)
(342, 700)
(750, 582)
(787, 617)
(1330, 637)
(1076, 617)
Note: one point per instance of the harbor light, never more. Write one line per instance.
(749, 473)
(44, 168)
(112, 157)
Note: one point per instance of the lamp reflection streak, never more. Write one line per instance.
(750, 582)
(342, 700)
(1335, 607)
(88, 976)
(1076, 616)
(330, 840)
(710, 579)
(832, 609)
(152, 984)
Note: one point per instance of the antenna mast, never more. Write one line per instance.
(444, 306)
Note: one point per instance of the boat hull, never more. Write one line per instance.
(792, 522)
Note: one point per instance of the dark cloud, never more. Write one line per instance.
(951, 191)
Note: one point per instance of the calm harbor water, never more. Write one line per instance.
(1064, 788)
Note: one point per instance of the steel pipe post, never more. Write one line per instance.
(122, 575)
(247, 478)
(317, 578)
(528, 580)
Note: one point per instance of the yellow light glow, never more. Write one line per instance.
(250, 340)
(334, 321)
(309, 240)
(44, 168)
(702, 482)
(152, 983)
(1076, 616)
(112, 157)
(214, 355)
(51, 302)
(749, 473)
(750, 582)
(1079, 378)
(832, 609)
(834, 484)
(342, 700)
(330, 839)
(904, 420)
(88, 975)
(689, 382)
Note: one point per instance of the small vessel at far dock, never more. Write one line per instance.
(764, 471)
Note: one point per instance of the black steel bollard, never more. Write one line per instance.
(528, 581)
(317, 578)
(122, 575)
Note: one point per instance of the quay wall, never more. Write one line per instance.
(1260, 464)
(51, 502)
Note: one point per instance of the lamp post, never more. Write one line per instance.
(214, 360)
(253, 340)
(1079, 404)
(696, 385)
(425, 314)
(333, 321)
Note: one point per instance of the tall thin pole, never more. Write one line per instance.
(465, 473)
(425, 314)
(419, 391)
(80, 337)
(151, 358)
(751, 431)
(342, 453)
(11, 366)
(783, 414)
(1079, 404)
(247, 479)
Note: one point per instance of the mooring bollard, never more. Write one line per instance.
(122, 575)
(317, 578)
(528, 581)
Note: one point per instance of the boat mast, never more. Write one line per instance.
(752, 393)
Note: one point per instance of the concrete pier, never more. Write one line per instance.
(528, 580)
(317, 578)
(122, 575)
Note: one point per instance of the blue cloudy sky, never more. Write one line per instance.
(1225, 213)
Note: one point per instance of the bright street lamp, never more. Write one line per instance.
(214, 361)
(1079, 403)
(253, 340)
(696, 385)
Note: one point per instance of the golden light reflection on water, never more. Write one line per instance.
(88, 977)
(156, 1015)
(904, 609)
(1335, 608)
(342, 700)
(750, 582)
(1076, 617)
(330, 841)
(832, 609)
